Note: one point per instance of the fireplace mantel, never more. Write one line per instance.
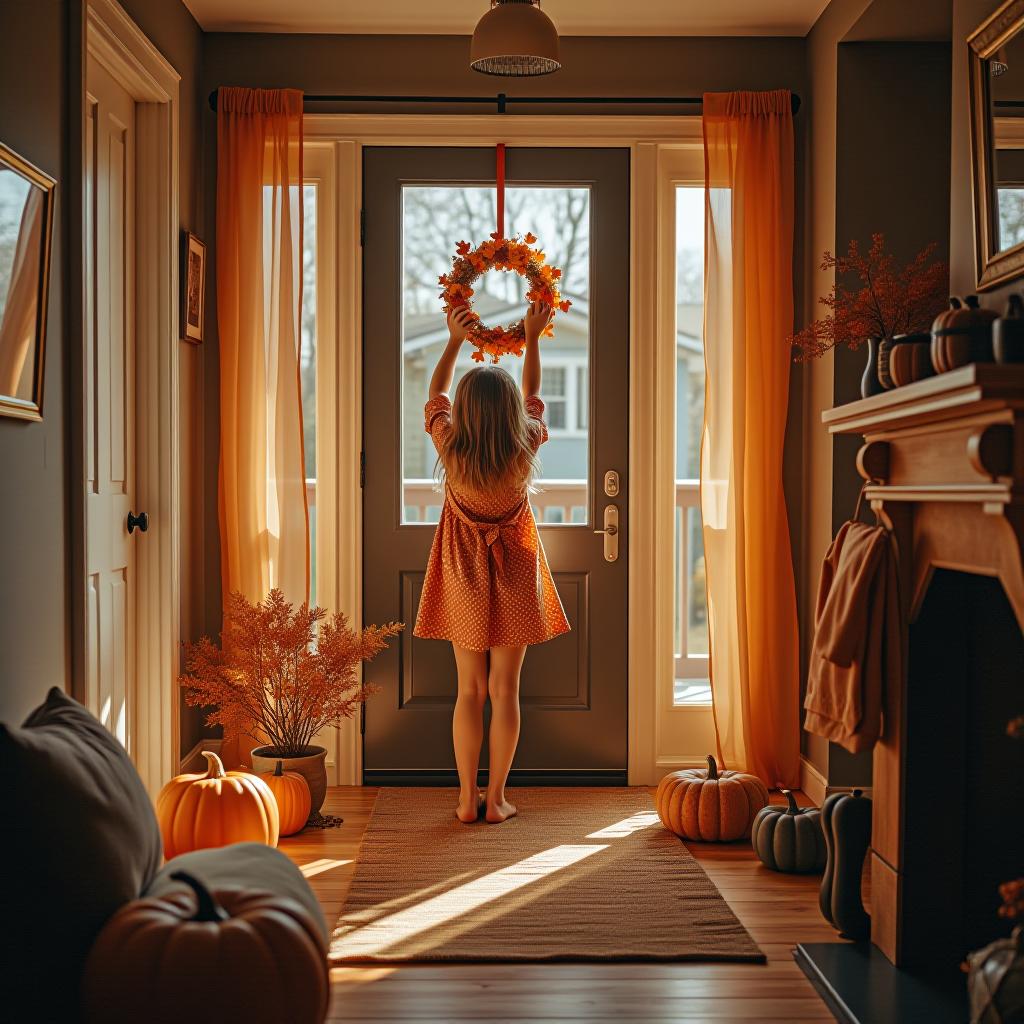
(943, 461)
(943, 464)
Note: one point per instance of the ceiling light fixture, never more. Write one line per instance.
(514, 39)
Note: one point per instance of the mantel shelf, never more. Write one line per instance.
(969, 390)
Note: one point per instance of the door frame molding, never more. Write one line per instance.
(108, 36)
(652, 375)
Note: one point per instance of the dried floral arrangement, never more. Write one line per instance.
(505, 254)
(891, 299)
(281, 674)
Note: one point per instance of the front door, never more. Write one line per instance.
(418, 203)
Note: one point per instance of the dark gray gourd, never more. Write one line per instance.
(789, 838)
(846, 824)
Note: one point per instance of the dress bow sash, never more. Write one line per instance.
(492, 531)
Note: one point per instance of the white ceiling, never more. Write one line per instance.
(457, 17)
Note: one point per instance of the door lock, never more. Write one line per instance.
(611, 533)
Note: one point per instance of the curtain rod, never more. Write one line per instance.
(501, 100)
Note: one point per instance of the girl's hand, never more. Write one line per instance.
(459, 322)
(537, 317)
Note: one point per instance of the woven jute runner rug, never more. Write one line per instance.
(580, 874)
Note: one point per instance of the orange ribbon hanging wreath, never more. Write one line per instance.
(501, 253)
(500, 175)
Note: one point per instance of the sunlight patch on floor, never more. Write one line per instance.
(373, 939)
(318, 867)
(626, 827)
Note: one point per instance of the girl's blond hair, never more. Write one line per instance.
(491, 443)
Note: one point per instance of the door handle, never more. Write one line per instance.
(141, 521)
(611, 533)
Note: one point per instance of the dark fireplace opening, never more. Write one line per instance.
(964, 828)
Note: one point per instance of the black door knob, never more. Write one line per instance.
(141, 521)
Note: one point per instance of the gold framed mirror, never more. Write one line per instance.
(26, 228)
(997, 143)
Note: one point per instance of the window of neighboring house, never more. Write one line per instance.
(692, 684)
(553, 391)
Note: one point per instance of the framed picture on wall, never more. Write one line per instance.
(193, 288)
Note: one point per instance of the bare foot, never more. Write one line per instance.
(468, 811)
(497, 812)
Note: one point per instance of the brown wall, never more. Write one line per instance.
(878, 138)
(37, 62)
(34, 510)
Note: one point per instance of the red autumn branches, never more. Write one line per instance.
(889, 300)
(283, 673)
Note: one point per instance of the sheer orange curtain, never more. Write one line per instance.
(748, 313)
(264, 519)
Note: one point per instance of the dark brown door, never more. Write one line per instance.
(418, 203)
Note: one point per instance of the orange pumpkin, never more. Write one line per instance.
(206, 958)
(962, 335)
(291, 791)
(215, 809)
(708, 805)
(910, 359)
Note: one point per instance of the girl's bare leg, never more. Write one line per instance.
(468, 727)
(503, 686)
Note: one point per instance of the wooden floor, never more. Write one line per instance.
(778, 910)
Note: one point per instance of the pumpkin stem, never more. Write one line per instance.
(207, 908)
(277, 770)
(858, 792)
(214, 765)
(712, 768)
(793, 806)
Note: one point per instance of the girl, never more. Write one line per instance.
(488, 588)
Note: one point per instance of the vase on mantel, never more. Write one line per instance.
(870, 384)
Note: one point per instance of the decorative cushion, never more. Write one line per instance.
(252, 866)
(82, 840)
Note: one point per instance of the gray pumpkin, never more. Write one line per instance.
(789, 838)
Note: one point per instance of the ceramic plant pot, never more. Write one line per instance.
(311, 766)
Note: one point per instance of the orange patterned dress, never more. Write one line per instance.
(487, 582)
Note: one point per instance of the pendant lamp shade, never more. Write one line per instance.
(515, 38)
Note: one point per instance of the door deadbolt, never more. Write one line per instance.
(611, 483)
(611, 533)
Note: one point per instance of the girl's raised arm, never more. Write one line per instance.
(459, 322)
(536, 319)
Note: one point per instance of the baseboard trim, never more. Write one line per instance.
(517, 777)
(194, 761)
(812, 782)
(816, 786)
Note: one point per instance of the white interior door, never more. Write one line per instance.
(110, 404)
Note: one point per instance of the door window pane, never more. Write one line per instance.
(434, 218)
(691, 625)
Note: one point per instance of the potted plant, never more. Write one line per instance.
(889, 302)
(280, 676)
